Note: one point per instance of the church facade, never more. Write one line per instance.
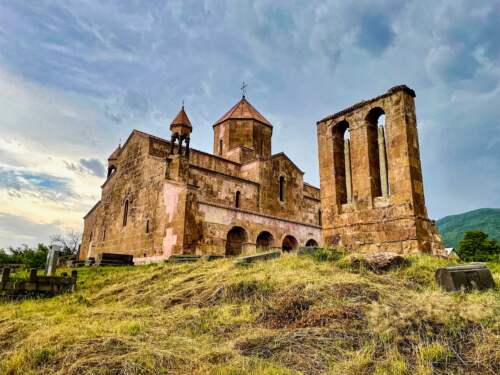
(162, 198)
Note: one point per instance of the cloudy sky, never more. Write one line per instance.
(77, 76)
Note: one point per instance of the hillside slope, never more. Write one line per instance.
(287, 316)
(453, 227)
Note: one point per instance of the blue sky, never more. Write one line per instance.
(78, 76)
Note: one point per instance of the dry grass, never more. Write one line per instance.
(286, 316)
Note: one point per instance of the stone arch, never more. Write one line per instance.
(342, 161)
(235, 240)
(265, 240)
(289, 243)
(377, 151)
(311, 243)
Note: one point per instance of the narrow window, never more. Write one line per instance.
(125, 213)
(282, 188)
(221, 145)
(320, 220)
(237, 200)
(104, 233)
(147, 226)
(90, 237)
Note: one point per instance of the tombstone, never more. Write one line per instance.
(466, 276)
(52, 259)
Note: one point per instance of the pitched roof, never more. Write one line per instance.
(243, 110)
(181, 119)
(115, 153)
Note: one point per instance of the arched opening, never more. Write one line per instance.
(311, 243)
(236, 237)
(125, 213)
(265, 241)
(111, 170)
(221, 145)
(289, 243)
(147, 226)
(377, 152)
(282, 188)
(342, 161)
(237, 200)
(320, 219)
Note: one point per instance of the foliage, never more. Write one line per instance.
(69, 242)
(284, 316)
(453, 228)
(476, 247)
(28, 257)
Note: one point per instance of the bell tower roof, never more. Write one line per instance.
(181, 120)
(243, 110)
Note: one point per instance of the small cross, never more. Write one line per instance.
(243, 89)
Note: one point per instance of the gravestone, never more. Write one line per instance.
(52, 259)
(466, 276)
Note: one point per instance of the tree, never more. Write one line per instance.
(28, 257)
(69, 242)
(476, 246)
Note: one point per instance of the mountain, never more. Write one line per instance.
(453, 227)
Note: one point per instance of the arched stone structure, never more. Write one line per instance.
(289, 243)
(264, 241)
(235, 240)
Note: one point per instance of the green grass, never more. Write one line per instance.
(453, 228)
(291, 315)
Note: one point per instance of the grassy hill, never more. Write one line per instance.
(287, 316)
(453, 227)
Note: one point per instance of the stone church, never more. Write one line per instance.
(162, 198)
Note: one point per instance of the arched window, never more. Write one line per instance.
(147, 226)
(221, 145)
(104, 233)
(320, 219)
(282, 188)
(237, 200)
(377, 152)
(91, 234)
(125, 213)
(342, 161)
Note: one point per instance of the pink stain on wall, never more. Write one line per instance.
(171, 194)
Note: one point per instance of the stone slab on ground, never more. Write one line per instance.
(465, 276)
(306, 250)
(262, 256)
(114, 259)
(181, 258)
(378, 262)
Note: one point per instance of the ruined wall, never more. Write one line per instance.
(373, 221)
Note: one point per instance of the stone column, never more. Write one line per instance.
(382, 157)
(348, 180)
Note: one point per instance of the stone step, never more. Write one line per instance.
(262, 256)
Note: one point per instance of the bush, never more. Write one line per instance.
(476, 247)
(28, 257)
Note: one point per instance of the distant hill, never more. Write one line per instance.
(453, 227)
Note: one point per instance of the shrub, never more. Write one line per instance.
(476, 246)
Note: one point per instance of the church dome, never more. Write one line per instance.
(243, 110)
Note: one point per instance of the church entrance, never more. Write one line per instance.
(264, 241)
(236, 237)
(289, 243)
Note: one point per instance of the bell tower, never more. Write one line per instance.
(180, 130)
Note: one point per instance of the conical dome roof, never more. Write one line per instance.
(181, 120)
(243, 110)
